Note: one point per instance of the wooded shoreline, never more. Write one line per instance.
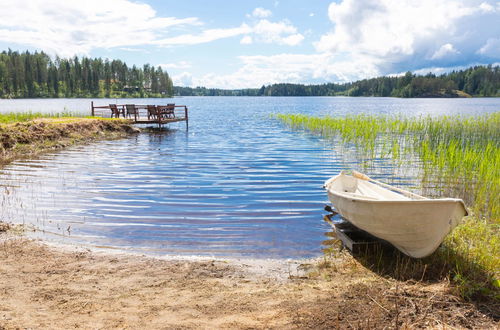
(36, 75)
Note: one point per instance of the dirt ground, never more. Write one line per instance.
(44, 287)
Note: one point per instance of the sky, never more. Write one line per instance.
(247, 44)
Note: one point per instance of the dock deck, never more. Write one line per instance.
(163, 114)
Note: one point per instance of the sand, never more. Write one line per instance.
(52, 287)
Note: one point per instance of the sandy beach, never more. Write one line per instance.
(52, 287)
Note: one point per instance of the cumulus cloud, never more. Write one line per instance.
(444, 51)
(204, 37)
(74, 27)
(177, 65)
(371, 38)
(265, 31)
(491, 48)
(375, 37)
(261, 12)
(246, 40)
(291, 68)
(262, 30)
(277, 32)
(183, 79)
(397, 35)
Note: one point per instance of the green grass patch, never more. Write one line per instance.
(13, 117)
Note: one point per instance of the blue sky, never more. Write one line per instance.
(237, 44)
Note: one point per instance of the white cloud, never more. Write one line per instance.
(444, 51)
(183, 79)
(134, 50)
(74, 27)
(398, 35)
(487, 7)
(177, 65)
(292, 40)
(491, 48)
(437, 70)
(281, 33)
(246, 40)
(204, 37)
(291, 68)
(261, 12)
(371, 38)
(263, 30)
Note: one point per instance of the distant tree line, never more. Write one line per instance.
(203, 91)
(474, 81)
(30, 75)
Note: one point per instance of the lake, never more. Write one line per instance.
(236, 183)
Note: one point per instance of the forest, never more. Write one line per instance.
(36, 75)
(474, 81)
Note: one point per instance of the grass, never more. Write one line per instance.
(454, 157)
(14, 117)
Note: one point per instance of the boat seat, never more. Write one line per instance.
(350, 194)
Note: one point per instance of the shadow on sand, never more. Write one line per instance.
(469, 281)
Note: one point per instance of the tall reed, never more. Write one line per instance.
(455, 156)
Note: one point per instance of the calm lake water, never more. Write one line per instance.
(236, 183)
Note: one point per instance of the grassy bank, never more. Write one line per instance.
(27, 134)
(454, 157)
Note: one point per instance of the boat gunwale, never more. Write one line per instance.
(392, 201)
(410, 201)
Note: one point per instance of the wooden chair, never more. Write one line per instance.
(169, 110)
(115, 112)
(131, 110)
(152, 112)
(166, 111)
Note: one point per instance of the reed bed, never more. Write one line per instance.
(454, 156)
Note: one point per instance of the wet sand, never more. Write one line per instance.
(44, 287)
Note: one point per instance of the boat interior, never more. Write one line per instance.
(353, 187)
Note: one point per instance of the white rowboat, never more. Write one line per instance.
(414, 224)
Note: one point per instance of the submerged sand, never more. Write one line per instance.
(44, 287)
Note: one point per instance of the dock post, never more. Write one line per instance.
(92, 108)
(186, 115)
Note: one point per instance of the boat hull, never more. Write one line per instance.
(415, 227)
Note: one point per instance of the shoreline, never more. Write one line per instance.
(277, 268)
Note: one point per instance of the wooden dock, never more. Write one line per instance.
(143, 114)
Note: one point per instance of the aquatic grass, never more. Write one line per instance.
(455, 156)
